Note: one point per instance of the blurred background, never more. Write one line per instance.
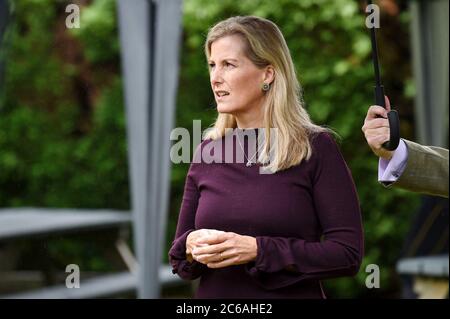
(63, 138)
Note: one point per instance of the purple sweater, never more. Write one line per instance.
(307, 216)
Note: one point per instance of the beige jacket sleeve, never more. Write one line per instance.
(426, 170)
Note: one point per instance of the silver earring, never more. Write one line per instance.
(265, 87)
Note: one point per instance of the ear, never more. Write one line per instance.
(269, 74)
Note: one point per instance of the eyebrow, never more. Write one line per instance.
(226, 59)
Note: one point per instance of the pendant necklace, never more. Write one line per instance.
(249, 161)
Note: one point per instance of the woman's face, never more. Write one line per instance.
(235, 80)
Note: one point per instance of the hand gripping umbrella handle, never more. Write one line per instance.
(394, 122)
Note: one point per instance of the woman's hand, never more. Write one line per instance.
(225, 249)
(193, 237)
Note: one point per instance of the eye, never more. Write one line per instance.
(211, 65)
(228, 64)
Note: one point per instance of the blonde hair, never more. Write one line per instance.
(265, 45)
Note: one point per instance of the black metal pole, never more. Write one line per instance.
(394, 123)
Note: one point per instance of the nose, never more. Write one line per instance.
(215, 76)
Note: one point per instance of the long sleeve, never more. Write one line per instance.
(426, 170)
(390, 170)
(340, 251)
(186, 224)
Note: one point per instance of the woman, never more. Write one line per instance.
(253, 235)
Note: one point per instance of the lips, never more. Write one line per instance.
(221, 93)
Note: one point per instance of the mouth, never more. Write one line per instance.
(221, 94)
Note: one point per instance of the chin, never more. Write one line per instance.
(226, 109)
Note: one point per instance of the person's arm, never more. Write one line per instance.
(426, 170)
(182, 264)
(285, 261)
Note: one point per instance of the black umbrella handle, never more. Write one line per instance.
(394, 122)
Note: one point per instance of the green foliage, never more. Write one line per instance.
(62, 128)
(98, 22)
(61, 144)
